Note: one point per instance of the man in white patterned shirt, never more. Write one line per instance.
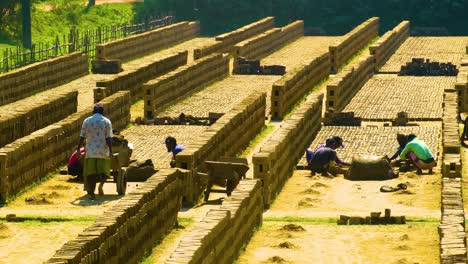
(97, 130)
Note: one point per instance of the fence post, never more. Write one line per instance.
(56, 46)
(33, 54)
(99, 37)
(70, 41)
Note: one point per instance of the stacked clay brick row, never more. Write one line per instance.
(452, 227)
(229, 135)
(266, 43)
(142, 44)
(297, 83)
(353, 41)
(27, 159)
(182, 82)
(133, 79)
(38, 77)
(277, 158)
(220, 235)
(342, 88)
(226, 41)
(23, 117)
(131, 227)
(451, 163)
(461, 87)
(389, 43)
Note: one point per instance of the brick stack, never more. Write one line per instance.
(353, 41)
(226, 41)
(142, 44)
(132, 80)
(130, 228)
(23, 117)
(389, 43)
(29, 158)
(182, 82)
(452, 227)
(266, 43)
(277, 158)
(451, 163)
(461, 87)
(38, 77)
(221, 234)
(342, 88)
(297, 83)
(229, 135)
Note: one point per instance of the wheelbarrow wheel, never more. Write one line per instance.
(122, 181)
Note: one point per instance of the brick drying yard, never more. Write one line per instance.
(279, 213)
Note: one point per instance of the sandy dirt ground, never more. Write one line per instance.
(324, 197)
(59, 197)
(35, 242)
(328, 243)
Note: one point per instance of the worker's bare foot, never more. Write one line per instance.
(326, 174)
(312, 174)
(419, 172)
(430, 171)
(92, 196)
(101, 191)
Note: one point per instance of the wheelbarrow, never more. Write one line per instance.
(119, 174)
(226, 171)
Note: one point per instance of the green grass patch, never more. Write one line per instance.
(45, 220)
(266, 130)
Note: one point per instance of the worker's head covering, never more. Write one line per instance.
(338, 141)
(98, 109)
(170, 140)
(411, 137)
(402, 139)
(329, 142)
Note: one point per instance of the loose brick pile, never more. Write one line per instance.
(226, 41)
(148, 141)
(342, 88)
(440, 49)
(176, 85)
(38, 77)
(384, 48)
(228, 136)
(222, 96)
(266, 43)
(151, 41)
(278, 156)
(131, 227)
(29, 158)
(220, 235)
(384, 96)
(133, 79)
(23, 117)
(297, 83)
(343, 50)
(379, 141)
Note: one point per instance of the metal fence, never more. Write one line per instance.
(75, 40)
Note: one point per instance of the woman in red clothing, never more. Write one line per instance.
(74, 165)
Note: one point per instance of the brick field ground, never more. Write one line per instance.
(301, 51)
(440, 49)
(148, 141)
(222, 96)
(383, 96)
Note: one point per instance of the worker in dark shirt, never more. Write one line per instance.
(172, 146)
(324, 160)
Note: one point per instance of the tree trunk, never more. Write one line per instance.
(26, 13)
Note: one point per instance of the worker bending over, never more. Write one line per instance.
(419, 154)
(172, 146)
(324, 159)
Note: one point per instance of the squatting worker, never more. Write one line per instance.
(402, 140)
(172, 146)
(75, 164)
(324, 160)
(338, 143)
(418, 152)
(97, 130)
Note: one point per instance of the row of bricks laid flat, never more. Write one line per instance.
(353, 41)
(182, 82)
(452, 227)
(226, 41)
(296, 83)
(461, 87)
(133, 79)
(451, 163)
(389, 43)
(342, 88)
(41, 76)
(25, 116)
(139, 45)
(276, 159)
(130, 227)
(266, 43)
(29, 158)
(219, 236)
(229, 135)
